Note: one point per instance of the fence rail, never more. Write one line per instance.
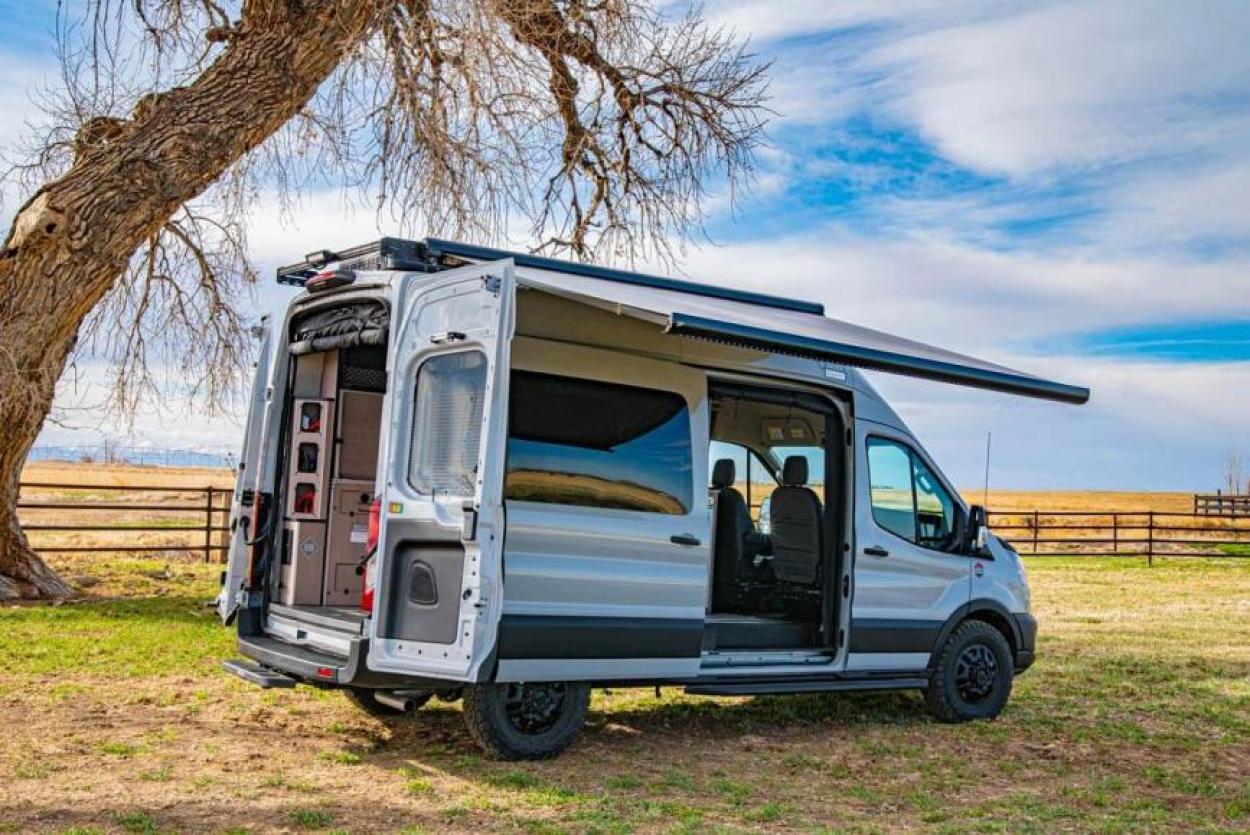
(1218, 504)
(211, 503)
(1049, 533)
(1147, 533)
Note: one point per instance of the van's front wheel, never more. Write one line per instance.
(525, 721)
(972, 674)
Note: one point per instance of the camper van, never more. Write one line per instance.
(488, 476)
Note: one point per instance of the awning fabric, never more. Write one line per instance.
(798, 332)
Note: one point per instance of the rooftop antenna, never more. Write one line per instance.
(985, 497)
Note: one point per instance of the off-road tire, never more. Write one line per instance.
(364, 698)
(971, 677)
(491, 722)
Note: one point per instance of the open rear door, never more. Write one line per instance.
(243, 502)
(438, 579)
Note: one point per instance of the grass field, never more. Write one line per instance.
(1137, 715)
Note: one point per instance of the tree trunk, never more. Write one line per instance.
(75, 237)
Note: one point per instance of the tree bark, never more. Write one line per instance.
(74, 238)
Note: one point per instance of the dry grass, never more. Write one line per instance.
(1136, 716)
(1090, 501)
(63, 472)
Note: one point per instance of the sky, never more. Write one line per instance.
(1060, 187)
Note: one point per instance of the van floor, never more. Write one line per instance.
(341, 618)
(734, 631)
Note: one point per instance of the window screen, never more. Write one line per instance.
(447, 424)
(581, 442)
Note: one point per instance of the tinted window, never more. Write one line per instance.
(907, 498)
(447, 423)
(581, 442)
(889, 472)
(935, 509)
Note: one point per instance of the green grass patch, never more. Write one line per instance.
(312, 818)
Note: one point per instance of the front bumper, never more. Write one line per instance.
(1026, 630)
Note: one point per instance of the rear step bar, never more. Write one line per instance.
(254, 673)
(828, 685)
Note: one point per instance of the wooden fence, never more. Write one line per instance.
(1043, 533)
(111, 516)
(1219, 504)
(1149, 533)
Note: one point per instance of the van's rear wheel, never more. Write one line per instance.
(530, 721)
(972, 674)
(367, 700)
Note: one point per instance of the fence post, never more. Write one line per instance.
(208, 527)
(1115, 533)
(1036, 523)
(1150, 537)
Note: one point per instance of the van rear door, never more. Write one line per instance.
(439, 581)
(242, 506)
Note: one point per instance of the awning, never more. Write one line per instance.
(799, 332)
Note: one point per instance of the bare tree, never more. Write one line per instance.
(1234, 473)
(600, 122)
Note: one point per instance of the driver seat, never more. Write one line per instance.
(797, 526)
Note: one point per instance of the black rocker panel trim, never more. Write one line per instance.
(894, 635)
(566, 636)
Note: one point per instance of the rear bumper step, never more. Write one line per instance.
(826, 685)
(254, 673)
(302, 663)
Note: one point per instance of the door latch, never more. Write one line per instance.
(468, 524)
(446, 336)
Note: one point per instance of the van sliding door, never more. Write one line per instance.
(606, 487)
(438, 577)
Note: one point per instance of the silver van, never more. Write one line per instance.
(481, 475)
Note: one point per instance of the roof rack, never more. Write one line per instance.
(435, 254)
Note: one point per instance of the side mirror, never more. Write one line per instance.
(977, 533)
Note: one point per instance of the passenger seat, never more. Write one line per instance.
(797, 526)
(733, 525)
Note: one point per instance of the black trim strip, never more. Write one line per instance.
(571, 636)
(889, 635)
(875, 359)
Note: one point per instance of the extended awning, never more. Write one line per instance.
(803, 332)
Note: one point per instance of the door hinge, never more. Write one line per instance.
(491, 283)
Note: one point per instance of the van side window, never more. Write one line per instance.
(907, 498)
(594, 444)
(889, 473)
(447, 423)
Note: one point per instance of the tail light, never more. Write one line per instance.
(371, 549)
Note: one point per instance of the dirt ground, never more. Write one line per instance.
(1136, 716)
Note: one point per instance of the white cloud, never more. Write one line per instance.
(1074, 84)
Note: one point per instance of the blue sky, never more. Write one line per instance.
(1062, 187)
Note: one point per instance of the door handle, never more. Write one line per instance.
(684, 539)
(876, 551)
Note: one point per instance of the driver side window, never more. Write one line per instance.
(907, 498)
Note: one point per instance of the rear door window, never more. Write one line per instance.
(447, 424)
(595, 444)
